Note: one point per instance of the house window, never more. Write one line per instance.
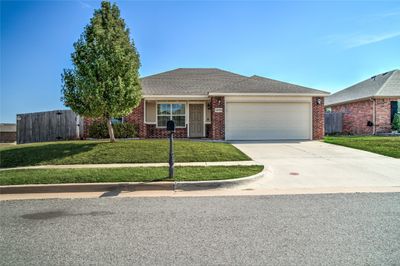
(394, 109)
(171, 111)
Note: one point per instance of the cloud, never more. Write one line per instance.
(357, 40)
(393, 13)
(360, 40)
(84, 4)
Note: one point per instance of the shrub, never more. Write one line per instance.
(396, 122)
(98, 130)
(125, 130)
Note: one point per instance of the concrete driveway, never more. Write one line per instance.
(314, 164)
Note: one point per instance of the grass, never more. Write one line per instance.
(389, 146)
(103, 152)
(144, 174)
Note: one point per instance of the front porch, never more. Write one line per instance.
(193, 117)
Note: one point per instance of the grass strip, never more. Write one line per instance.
(388, 146)
(143, 174)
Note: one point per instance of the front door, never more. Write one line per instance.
(196, 120)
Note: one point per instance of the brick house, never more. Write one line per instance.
(368, 106)
(8, 132)
(221, 105)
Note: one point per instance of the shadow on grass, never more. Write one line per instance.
(41, 154)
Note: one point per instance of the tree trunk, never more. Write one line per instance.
(110, 129)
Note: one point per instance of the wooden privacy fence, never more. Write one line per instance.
(49, 126)
(333, 123)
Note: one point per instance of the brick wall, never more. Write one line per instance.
(8, 137)
(217, 128)
(150, 131)
(144, 130)
(357, 114)
(154, 132)
(137, 118)
(383, 123)
(318, 110)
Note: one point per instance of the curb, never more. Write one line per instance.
(199, 185)
(128, 186)
(85, 187)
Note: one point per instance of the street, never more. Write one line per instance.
(325, 229)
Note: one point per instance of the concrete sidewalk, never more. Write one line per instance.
(129, 165)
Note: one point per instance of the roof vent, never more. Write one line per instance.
(384, 73)
(373, 77)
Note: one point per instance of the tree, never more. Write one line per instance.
(104, 80)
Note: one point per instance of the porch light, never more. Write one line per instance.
(319, 101)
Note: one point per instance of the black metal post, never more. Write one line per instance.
(171, 154)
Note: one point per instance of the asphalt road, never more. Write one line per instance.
(336, 229)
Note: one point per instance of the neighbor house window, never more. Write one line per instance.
(394, 109)
(171, 111)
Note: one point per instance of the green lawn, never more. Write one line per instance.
(144, 174)
(389, 146)
(100, 152)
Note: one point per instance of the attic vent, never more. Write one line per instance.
(384, 73)
(373, 77)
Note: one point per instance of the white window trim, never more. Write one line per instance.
(171, 103)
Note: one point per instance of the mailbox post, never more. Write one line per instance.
(171, 130)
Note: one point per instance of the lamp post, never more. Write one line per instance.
(171, 130)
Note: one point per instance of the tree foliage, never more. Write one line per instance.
(104, 80)
(396, 122)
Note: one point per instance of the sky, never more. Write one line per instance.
(327, 45)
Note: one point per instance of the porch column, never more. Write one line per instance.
(217, 131)
(318, 118)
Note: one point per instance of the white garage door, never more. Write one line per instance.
(267, 121)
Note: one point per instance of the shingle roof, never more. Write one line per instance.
(202, 81)
(257, 84)
(382, 85)
(192, 81)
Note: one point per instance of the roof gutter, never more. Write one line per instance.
(175, 96)
(361, 99)
(268, 94)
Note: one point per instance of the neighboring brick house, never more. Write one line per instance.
(221, 105)
(8, 132)
(368, 106)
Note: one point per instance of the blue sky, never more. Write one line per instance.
(323, 45)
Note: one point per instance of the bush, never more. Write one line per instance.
(396, 122)
(98, 130)
(125, 130)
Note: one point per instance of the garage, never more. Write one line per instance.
(268, 120)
